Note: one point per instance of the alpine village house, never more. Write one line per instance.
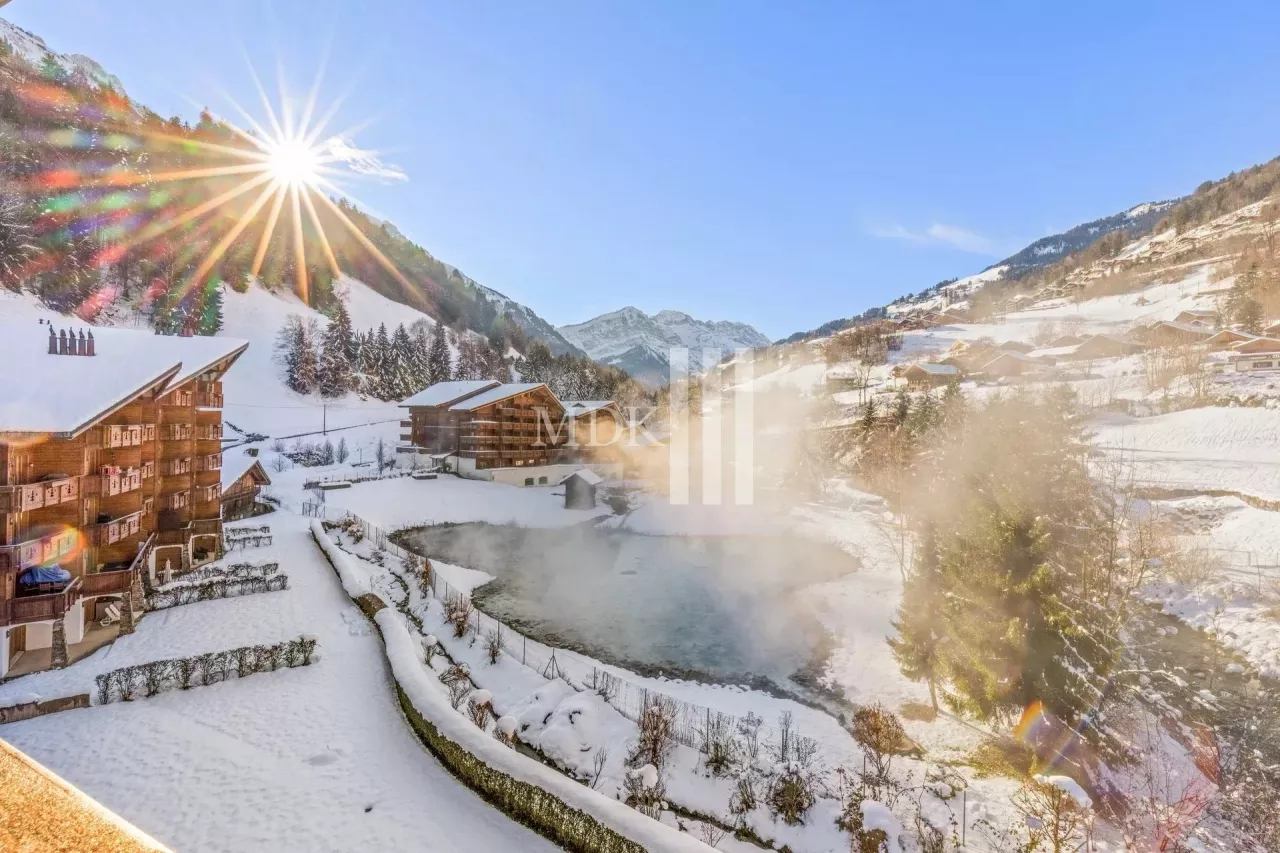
(110, 450)
(515, 433)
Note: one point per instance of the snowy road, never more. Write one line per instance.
(310, 759)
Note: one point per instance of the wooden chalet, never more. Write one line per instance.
(925, 375)
(242, 480)
(1224, 339)
(1105, 346)
(1256, 345)
(1169, 333)
(110, 450)
(1196, 315)
(1013, 364)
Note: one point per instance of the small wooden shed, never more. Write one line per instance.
(580, 489)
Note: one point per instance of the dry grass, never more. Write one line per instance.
(1001, 757)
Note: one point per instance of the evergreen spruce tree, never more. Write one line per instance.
(536, 366)
(306, 368)
(401, 367)
(439, 359)
(211, 310)
(335, 371)
(867, 423)
(919, 618)
(381, 377)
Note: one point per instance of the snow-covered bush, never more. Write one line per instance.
(493, 644)
(457, 612)
(718, 747)
(1057, 813)
(175, 595)
(645, 790)
(791, 794)
(880, 734)
(657, 732)
(430, 645)
(481, 708)
(505, 730)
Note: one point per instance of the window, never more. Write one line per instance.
(1263, 364)
(528, 481)
(542, 481)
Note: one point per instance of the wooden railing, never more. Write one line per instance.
(176, 467)
(108, 582)
(175, 500)
(206, 494)
(39, 608)
(177, 432)
(118, 483)
(126, 435)
(148, 469)
(32, 496)
(211, 462)
(207, 400)
(177, 398)
(48, 548)
(209, 432)
(111, 532)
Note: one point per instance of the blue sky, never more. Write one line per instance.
(777, 163)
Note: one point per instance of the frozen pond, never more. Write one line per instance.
(718, 606)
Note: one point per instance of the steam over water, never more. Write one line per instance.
(720, 606)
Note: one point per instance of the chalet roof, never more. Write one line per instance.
(1015, 346)
(1257, 345)
(44, 812)
(934, 369)
(1016, 356)
(582, 407)
(1231, 336)
(236, 466)
(1053, 352)
(1199, 312)
(498, 393)
(67, 394)
(444, 393)
(584, 474)
(1183, 327)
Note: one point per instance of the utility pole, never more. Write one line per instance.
(324, 419)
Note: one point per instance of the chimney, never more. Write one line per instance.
(62, 342)
(53, 341)
(80, 343)
(89, 344)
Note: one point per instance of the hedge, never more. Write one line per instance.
(148, 679)
(218, 587)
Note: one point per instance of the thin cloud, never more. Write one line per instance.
(363, 162)
(937, 234)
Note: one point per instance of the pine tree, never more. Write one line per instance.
(867, 423)
(306, 366)
(380, 365)
(919, 618)
(335, 373)
(211, 310)
(1249, 316)
(439, 359)
(536, 366)
(400, 369)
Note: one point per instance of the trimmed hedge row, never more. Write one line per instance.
(536, 808)
(234, 571)
(148, 679)
(219, 587)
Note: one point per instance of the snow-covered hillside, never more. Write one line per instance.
(639, 342)
(33, 49)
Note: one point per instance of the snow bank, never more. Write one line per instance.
(404, 654)
(402, 651)
(876, 815)
(352, 580)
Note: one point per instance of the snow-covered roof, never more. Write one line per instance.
(1052, 352)
(586, 475)
(443, 393)
(493, 395)
(582, 407)
(935, 369)
(1016, 356)
(66, 394)
(236, 465)
(1184, 327)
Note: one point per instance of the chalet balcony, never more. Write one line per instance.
(109, 581)
(208, 400)
(39, 607)
(178, 399)
(211, 462)
(38, 550)
(174, 531)
(35, 496)
(406, 424)
(209, 432)
(118, 481)
(176, 467)
(177, 432)
(175, 500)
(148, 469)
(114, 530)
(127, 435)
(209, 494)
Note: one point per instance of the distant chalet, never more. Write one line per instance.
(514, 432)
(110, 450)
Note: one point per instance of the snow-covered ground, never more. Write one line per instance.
(308, 759)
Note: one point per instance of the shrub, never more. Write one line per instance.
(657, 731)
(493, 644)
(792, 795)
(880, 734)
(457, 611)
(481, 708)
(743, 799)
(718, 747)
(646, 790)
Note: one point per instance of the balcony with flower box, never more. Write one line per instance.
(176, 467)
(177, 432)
(117, 481)
(210, 462)
(178, 399)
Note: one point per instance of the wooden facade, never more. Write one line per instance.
(138, 479)
(241, 494)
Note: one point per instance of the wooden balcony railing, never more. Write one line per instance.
(39, 495)
(176, 467)
(181, 399)
(209, 432)
(127, 435)
(38, 550)
(118, 482)
(211, 462)
(39, 608)
(148, 469)
(111, 532)
(177, 432)
(175, 500)
(108, 582)
(207, 494)
(208, 400)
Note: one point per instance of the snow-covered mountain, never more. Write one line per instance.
(638, 342)
(33, 49)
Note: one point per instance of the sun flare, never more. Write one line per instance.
(292, 163)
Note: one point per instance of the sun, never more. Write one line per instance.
(292, 163)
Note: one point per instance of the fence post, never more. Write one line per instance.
(524, 650)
